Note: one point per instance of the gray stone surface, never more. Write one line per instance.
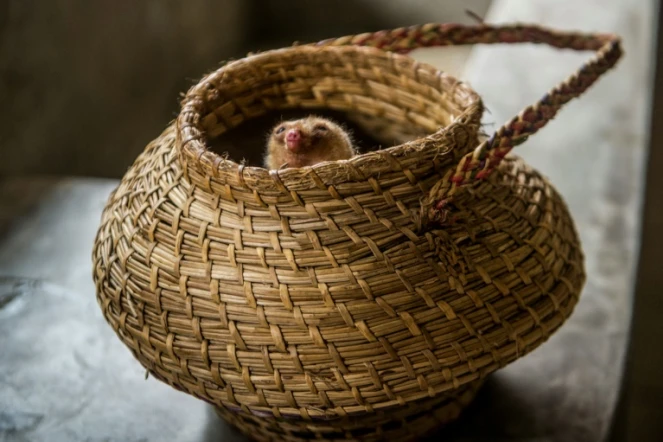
(64, 375)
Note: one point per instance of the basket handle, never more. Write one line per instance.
(479, 163)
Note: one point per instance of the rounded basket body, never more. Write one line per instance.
(354, 327)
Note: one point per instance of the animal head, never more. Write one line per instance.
(307, 141)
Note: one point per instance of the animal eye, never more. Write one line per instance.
(280, 129)
(321, 128)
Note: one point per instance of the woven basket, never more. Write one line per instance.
(354, 300)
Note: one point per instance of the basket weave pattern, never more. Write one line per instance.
(364, 299)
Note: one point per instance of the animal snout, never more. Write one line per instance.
(293, 135)
(293, 139)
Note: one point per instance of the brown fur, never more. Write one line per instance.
(318, 145)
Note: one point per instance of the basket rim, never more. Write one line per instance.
(196, 156)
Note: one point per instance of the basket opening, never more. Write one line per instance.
(246, 142)
(416, 113)
(390, 97)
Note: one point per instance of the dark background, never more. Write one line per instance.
(639, 410)
(86, 84)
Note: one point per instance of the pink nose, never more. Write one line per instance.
(293, 135)
(293, 139)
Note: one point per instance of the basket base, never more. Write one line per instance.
(401, 424)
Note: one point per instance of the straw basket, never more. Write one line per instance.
(354, 300)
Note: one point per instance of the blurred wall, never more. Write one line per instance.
(85, 84)
(282, 21)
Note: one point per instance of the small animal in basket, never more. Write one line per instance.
(307, 141)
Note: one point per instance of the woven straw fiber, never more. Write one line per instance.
(356, 300)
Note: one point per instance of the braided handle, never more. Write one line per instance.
(479, 163)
